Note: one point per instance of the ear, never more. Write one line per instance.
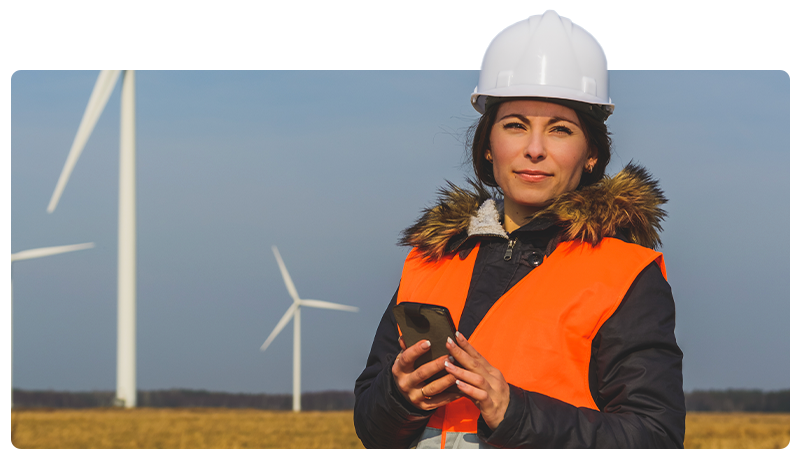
(488, 155)
(592, 159)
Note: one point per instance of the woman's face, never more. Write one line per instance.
(538, 151)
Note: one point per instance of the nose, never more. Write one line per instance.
(535, 150)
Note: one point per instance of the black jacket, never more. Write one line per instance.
(635, 370)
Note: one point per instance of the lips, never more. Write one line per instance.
(532, 175)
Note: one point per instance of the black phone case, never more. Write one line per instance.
(418, 321)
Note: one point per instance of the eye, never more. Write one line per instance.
(562, 129)
(513, 125)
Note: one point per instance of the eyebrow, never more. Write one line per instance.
(559, 119)
(525, 120)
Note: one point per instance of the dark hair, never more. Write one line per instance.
(597, 135)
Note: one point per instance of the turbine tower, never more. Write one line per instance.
(294, 310)
(126, 262)
(30, 254)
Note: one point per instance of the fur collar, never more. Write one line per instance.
(627, 205)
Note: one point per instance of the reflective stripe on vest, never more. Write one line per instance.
(539, 333)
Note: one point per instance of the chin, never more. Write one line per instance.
(533, 204)
(534, 201)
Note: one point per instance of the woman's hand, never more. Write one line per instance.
(478, 380)
(412, 382)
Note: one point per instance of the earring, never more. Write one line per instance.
(589, 168)
(489, 157)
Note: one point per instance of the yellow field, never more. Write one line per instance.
(736, 430)
(182, 428)
(248, 428)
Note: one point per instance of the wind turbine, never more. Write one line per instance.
(294, 310)
(126, 255)
(30, 254)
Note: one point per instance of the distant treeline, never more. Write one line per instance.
(727, 400)
(185, 398)
(738, 400)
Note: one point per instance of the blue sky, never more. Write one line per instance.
(330, 167)
(230, 163)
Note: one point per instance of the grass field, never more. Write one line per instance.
(182, 428)
(243, 428)
(737, 430)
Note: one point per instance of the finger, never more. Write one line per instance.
(472, 378)
(427, 370)
(439, 400)
(476, 395)
(463, 358)
(409, 355)
(409, 379)
(464, 344)
(439, 385)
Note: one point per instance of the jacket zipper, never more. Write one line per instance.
(510, 249)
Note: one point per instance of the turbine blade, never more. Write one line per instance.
(286, 278)
(97, 101)
(327, 305)
(47, 251)
(282, 323)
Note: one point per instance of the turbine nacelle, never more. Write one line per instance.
(297, 302)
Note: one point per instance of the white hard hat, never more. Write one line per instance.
(545, 56)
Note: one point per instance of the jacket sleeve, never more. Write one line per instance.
(635, 378)
(383, 417)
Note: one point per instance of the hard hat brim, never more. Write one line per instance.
(478, 99)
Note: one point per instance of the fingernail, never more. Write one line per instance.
(426, 344)
(458, 335)
(452, 360)
(446, 364)
(449, 341)
(458, 382)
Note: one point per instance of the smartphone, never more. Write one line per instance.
(418, 321)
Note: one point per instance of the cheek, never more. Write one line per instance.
(577, 164)
(500, 166)
(496, 173)
(504, 151)
(573, 164)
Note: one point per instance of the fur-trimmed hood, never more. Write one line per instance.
(626, 205)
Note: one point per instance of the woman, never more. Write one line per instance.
(565, 318)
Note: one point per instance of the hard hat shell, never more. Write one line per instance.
(545, 56)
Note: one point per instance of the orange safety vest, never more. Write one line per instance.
(539, 333)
